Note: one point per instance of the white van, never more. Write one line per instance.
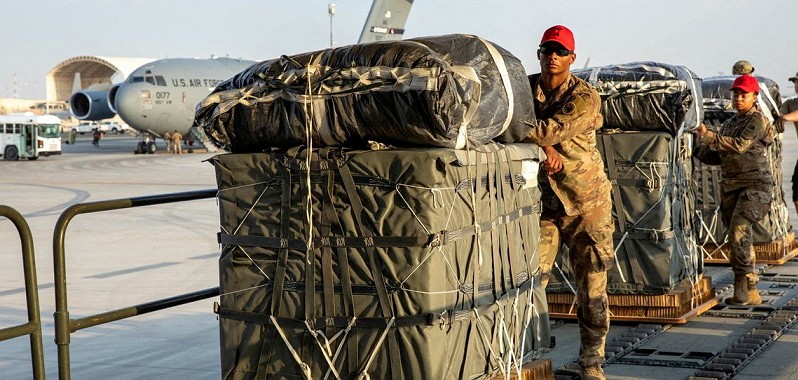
(114, 127)
(90, 126)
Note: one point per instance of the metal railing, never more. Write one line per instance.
(64, 326)
(34, 325)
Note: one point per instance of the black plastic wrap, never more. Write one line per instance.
(453, 91)
(647, 96)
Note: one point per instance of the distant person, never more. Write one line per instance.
(740, 149)
(575, 190)
(177, 139)
(71, 136)
(168, 138)
(742, 68)
(95, 134)
(791, 106)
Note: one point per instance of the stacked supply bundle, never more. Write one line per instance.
(647, 109)
(455, 91)
(344, 262)
(338, 261)
(771, 234)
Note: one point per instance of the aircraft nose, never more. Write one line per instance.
(131, 103)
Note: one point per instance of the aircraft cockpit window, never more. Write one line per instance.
(150, 80)
(160, 81)
(136, 79)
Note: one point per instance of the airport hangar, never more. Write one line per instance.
(88, 71)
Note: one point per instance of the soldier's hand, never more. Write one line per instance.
(701, 130)
(553, 163)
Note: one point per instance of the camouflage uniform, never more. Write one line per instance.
(742, 68)
(576, 204)
(177, 140)
(747, 181)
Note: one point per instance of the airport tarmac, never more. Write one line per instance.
(115, 259)
(126, 257)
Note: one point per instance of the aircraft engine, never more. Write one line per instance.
(112, 98)
(90, 105)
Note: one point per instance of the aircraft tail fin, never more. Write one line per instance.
(386, 20)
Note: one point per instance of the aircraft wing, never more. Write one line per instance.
(386, 20)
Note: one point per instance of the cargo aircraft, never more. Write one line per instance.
(161, 96)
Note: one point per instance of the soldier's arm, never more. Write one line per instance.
(576, 116)
(740, 144)
(792, 116)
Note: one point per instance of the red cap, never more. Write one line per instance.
(560, 35)
(746, 83)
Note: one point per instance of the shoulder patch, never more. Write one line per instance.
(577, 103)
(568, 108)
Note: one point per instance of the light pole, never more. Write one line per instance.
(331, 11)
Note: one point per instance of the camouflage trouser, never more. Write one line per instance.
(588, 237)
(739, 209)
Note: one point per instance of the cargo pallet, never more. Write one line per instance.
(776, 252)
(684, 302)
(539, 369)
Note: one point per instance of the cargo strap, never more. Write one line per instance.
(442, 319)
(468, 72)
(651, 184)
(279, 278)
(710, 182)
(431, 240)
(652, 235)
(493, 204)
(304, 367)
(345, 275)
(508, 86)
(696, 103)
(358, 80)
(617, 201)
(375, 267)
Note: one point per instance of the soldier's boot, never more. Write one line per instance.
(753, 293)
(593, 372)
(740, 291)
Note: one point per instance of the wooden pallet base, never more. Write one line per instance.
(774, 253)
(540, 369)
(685, 302)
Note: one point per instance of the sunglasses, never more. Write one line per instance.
(548, 50)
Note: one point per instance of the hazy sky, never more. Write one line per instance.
(707, 36)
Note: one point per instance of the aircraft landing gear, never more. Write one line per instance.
(146, 147)
(140, 148)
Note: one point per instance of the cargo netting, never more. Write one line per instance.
(337, 263)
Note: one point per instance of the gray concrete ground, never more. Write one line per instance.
(115, 259)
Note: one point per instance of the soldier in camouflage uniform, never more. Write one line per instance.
(747, 185)
(576, 192)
